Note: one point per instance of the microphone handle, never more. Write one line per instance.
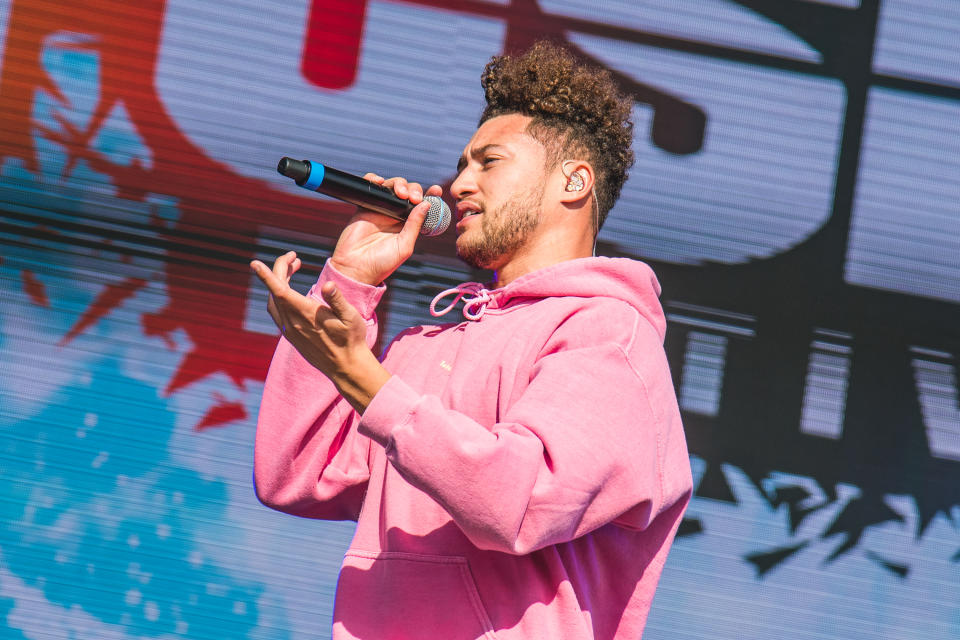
(344, 186)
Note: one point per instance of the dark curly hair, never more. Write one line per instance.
(576, 110)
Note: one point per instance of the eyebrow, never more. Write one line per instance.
(476, 153)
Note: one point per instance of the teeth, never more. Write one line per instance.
(465, 210)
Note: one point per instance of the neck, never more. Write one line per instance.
(543, 252)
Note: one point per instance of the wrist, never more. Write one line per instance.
(359, 379)
(356, 274)
(364, 297)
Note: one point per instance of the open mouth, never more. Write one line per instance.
(467, 209)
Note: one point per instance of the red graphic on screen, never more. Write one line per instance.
(111, 297)
(211, 243)
(331, 48)
(35, 289)
(222, 413)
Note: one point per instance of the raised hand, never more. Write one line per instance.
(331, 336)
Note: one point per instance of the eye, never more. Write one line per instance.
(488, 160)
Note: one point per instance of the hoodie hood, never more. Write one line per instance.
(623, 279)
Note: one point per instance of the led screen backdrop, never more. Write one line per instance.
(796, 189)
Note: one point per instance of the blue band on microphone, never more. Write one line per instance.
(315, 179)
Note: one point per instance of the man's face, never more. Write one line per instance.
(499, 191)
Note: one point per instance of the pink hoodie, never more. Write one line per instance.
(519, 476)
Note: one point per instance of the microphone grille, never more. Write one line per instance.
(438, 217)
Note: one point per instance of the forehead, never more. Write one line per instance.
(508, 130)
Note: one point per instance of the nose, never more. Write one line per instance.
(464, 184)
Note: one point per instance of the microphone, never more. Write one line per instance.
(363, 193)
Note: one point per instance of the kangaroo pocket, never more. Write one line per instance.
(407, 596)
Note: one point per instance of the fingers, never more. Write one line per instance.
(277, 280)
(343, 310)
(276, 286)
(285, 266)
(412, 191)
(275, 314)
(268, 277)
(282, 296)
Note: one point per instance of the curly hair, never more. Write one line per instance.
(576, 109)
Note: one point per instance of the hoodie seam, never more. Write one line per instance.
(407, 418)
(646, 394)
(633, 334)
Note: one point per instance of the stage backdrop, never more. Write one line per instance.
(796, 190)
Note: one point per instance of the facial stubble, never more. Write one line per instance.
(502, 231)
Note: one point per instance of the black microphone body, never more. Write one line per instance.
(363, 193)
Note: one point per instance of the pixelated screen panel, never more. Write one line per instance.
(793, 188)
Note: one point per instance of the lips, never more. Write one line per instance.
(466, 209)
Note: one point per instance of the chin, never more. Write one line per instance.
(472, 255)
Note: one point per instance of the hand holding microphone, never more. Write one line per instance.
(363, 193)
(370, 249)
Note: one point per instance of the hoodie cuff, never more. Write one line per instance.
(362, 296)
(392, 407)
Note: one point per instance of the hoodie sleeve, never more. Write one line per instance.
(595, 438)
(308, 458)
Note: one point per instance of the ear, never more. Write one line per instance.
(578, 181)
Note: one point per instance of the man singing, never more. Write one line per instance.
(520, 474)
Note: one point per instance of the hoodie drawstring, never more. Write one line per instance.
(473, 308)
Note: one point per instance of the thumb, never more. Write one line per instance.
(343, 310)
(413, 223)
